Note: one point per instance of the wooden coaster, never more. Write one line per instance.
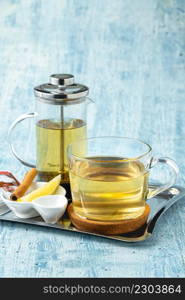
(108, 228)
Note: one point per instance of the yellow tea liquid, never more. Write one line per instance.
(110, 192)
(53, 139)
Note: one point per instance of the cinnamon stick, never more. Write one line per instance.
(22, 188)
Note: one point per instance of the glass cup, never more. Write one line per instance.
(109, 177)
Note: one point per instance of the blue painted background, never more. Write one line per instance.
(132, 56)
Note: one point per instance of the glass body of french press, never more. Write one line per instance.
(60, 119)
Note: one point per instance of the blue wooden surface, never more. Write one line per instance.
(132, 56)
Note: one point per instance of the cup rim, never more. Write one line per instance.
(69, 149)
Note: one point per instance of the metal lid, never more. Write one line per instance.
(61, 90)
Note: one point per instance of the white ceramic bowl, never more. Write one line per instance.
(51, 207)
(26, 209)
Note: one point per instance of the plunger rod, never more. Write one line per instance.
(62, 140)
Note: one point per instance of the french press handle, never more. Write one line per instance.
(10, 131)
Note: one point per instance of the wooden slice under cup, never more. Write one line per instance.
(108, 228)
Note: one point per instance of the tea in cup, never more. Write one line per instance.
(110, 181)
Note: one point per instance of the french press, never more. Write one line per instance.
(61, 119)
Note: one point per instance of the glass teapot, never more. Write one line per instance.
(60, 118)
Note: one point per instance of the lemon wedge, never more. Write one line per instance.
(48, 189)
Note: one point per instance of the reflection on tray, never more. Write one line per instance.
(158, 205)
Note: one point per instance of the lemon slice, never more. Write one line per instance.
(48, 189)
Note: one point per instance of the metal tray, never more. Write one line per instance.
(158, 205)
